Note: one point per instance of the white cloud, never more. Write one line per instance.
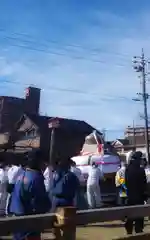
(105, 76)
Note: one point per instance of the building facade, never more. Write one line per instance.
(33, 131)
(11, 108)
(134, 138)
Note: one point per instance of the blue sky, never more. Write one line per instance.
(80, 53)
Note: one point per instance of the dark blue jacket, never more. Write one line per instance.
(64, 188)
(29, 195)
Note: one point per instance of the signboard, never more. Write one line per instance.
(27, 92)
(53, 123)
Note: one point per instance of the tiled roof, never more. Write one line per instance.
(123, 141)
(72, 125)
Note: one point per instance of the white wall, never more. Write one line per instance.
(143, 150)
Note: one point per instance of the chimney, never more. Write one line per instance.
(32, 100)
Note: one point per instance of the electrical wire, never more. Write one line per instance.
(92, 52)
(104, 97)
(50, 52)
(76, 46)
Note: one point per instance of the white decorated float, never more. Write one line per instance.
(96, 150)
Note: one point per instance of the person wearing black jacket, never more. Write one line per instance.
(136, 184)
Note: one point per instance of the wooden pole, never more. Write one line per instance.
(66, 218)
(53, 124)
(51, 149)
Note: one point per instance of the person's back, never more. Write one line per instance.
(121, 185)
(65, 185)
(94, 176)
(93, 186)
(120, 174)
(77, 172)
(136, 183)
(29, 195)
(80, 201)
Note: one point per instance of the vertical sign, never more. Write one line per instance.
(52, 124)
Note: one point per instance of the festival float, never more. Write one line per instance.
(95, 149)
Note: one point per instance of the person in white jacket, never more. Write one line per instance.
(3, 189)
(93, 186)
(12, 174)
(77, 172)
(48, 179)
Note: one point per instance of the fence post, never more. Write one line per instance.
(66, 218)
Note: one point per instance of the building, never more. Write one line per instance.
(133, 138)
(33, 131)
(136, 137)
(22, 128)
(11, 108)
(121, 145)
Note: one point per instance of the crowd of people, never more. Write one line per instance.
(34, 187)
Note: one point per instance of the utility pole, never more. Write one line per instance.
(140, 66)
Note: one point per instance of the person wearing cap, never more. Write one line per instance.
(136, 184)
(29, 195)
(93, 186)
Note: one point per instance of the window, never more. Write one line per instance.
(31, 133)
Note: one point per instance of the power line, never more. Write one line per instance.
(104, 97)
(61, 48)
(51, 52)
(95, 53)
(76, 46)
